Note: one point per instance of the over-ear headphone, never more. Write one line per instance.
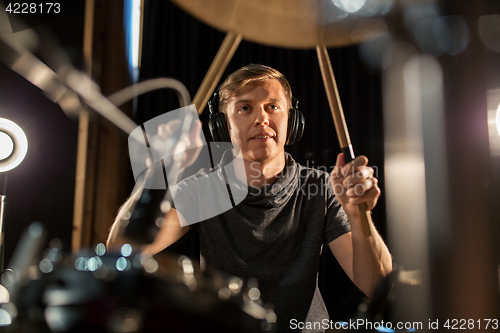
(217, 122)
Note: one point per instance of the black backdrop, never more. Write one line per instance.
(177, 45)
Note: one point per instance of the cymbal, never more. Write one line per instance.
(285, 23)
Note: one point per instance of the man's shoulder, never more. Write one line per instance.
(204, 172)
(314, 182)
(309, 172)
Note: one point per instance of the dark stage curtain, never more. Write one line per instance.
(177, 45)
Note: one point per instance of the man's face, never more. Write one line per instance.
(257, 119)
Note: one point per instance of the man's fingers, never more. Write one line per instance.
(360, 188)
(337, 171)
(357, 175)
(357, 162)
(354, 182)
(370, 198)
(167, 129)
(360, 160)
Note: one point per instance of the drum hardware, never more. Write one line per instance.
(21, 279)
(300, 24)
(95, 291)
(379, 309)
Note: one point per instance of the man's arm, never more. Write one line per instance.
(366, 260)
(115, 238)
(170, 232)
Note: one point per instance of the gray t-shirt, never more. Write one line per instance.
(275, 235)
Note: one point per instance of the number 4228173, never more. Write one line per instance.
(33, 8)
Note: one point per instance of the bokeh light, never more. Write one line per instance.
(5, 319)
(94, 263)
(81, 264)
(254, 294)
(126, 250)
(372, 50)
(46, 266)
(332, 14)
(415, 12)
(447, 34)
(55, 255)
(271, 317)
(149, 264)
(489, 32)
(376, 8)
(349, 6)
(452, 34)
(4, 294)
(123, 264)
(100, 249)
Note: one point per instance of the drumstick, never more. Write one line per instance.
(217, 68)
(340, 124)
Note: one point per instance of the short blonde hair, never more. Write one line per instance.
(247, 75)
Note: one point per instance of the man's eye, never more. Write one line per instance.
(244, 108)
(273, 107)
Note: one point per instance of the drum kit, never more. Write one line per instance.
(122, 292)
(95, 291)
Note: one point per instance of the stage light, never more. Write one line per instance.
(13, 149)
(6, 146)
(13, 145)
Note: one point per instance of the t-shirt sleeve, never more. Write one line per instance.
(184, 201)
(200, 197)
(337, 223)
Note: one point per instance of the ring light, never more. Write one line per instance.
(13, 145)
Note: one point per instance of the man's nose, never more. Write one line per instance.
(262, 118)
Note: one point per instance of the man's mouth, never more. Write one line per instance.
(262, 136)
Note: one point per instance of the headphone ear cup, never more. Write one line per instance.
(301, 123)
(290, 134)
(212, 126)
(218, 127)
(296, 123)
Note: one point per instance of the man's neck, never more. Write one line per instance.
(262, 173)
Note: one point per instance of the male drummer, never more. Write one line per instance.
(276, 233)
